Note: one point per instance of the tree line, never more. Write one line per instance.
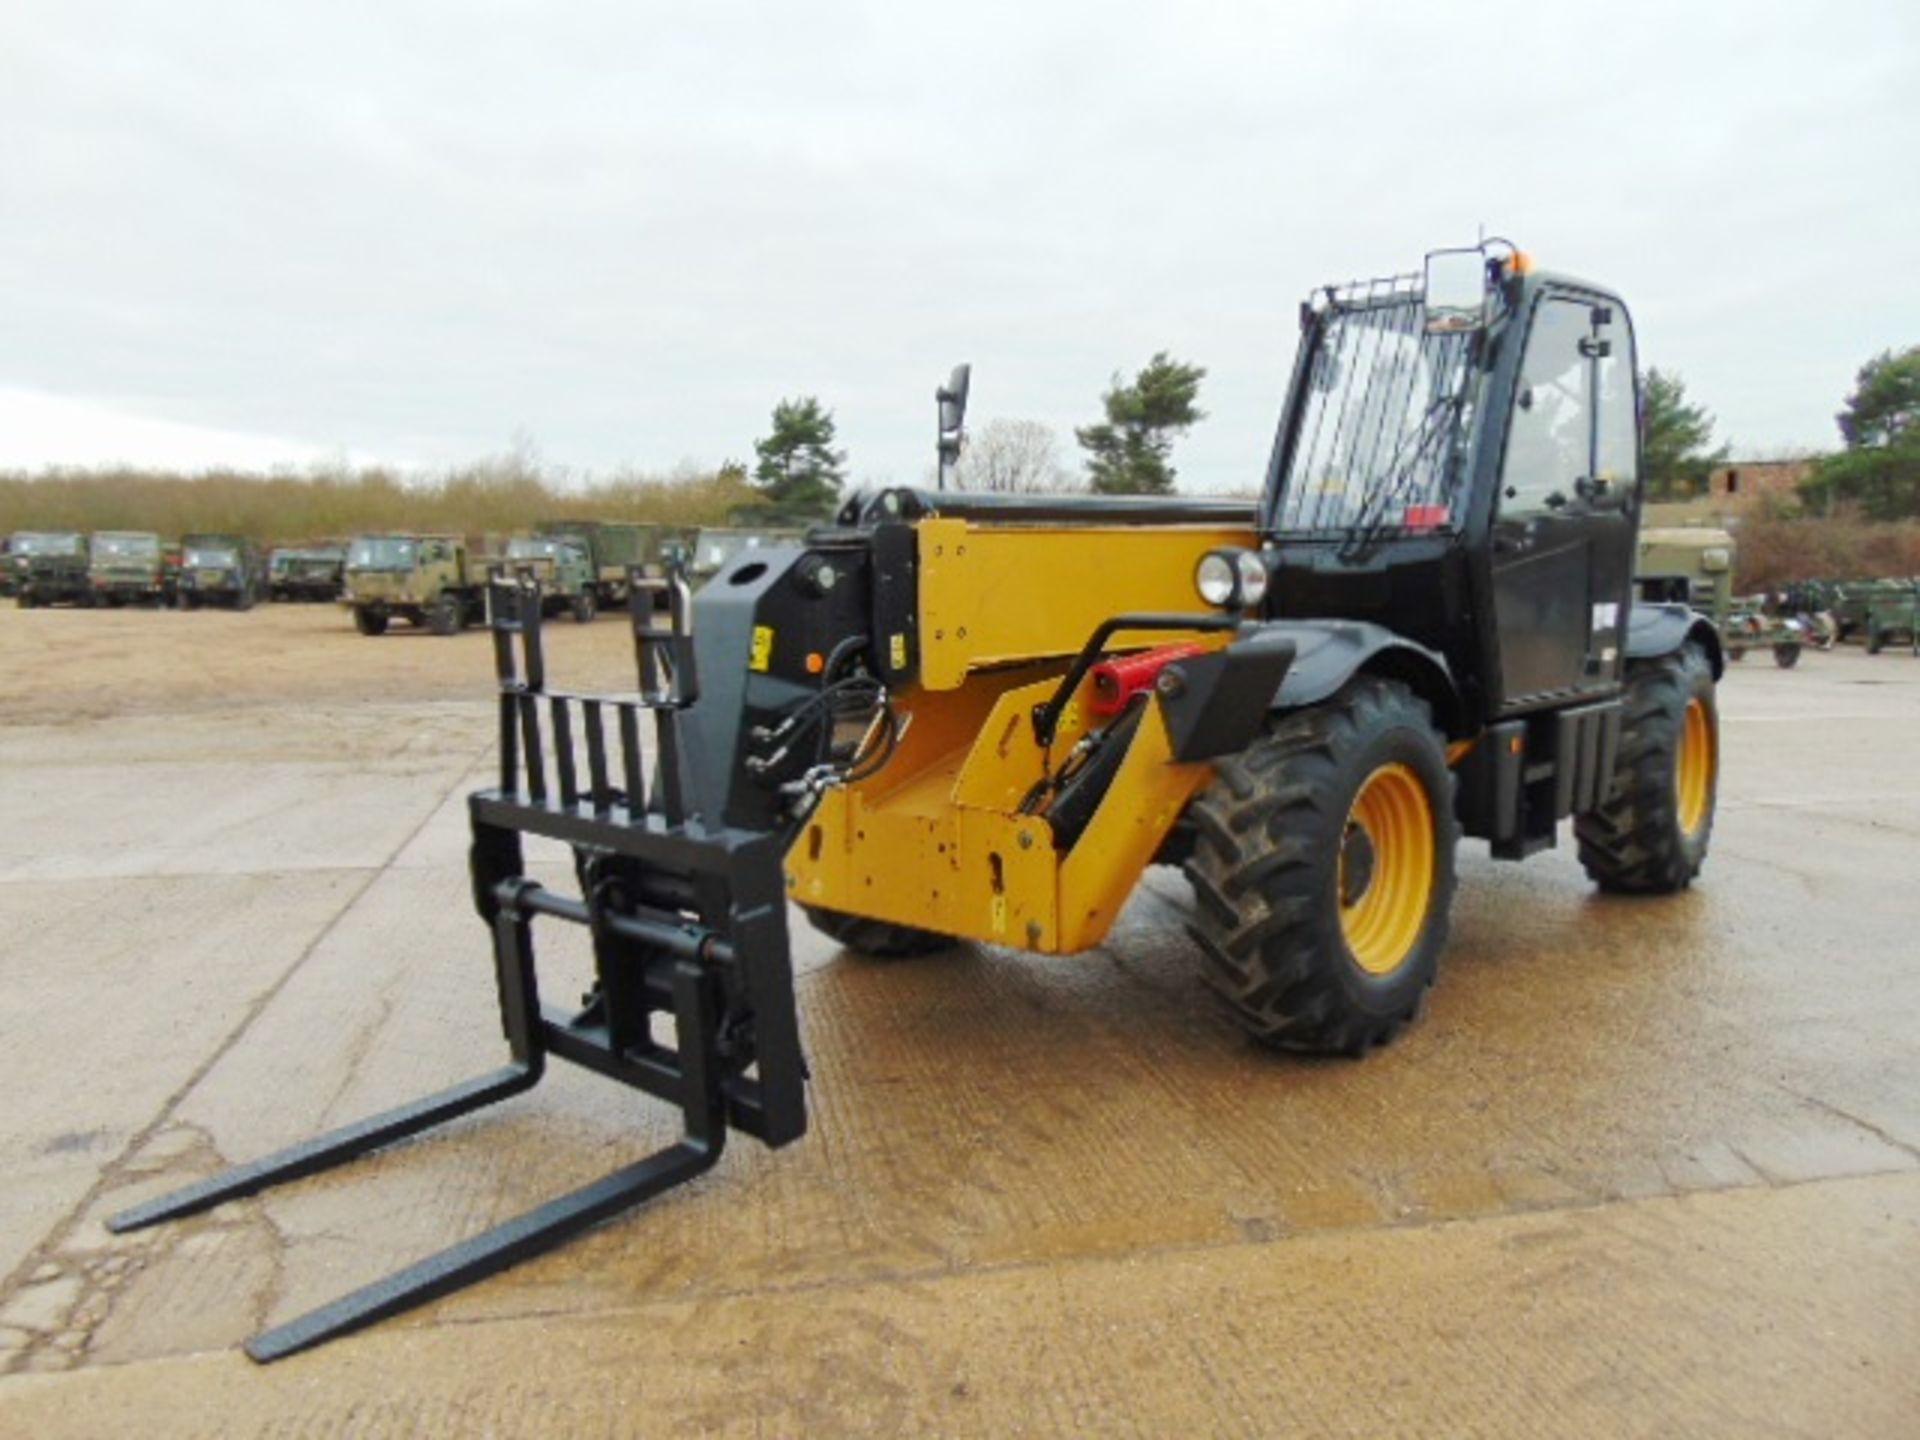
(799, 472)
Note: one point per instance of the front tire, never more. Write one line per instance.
(447, 617)
(369, 621)
(1786, 656)
(1323, 868)
(876, 939)
(583, 607)
(1649, 836)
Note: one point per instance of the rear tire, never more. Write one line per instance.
(1323, 871)
(1786, 656)
(876, 939)
(1649, 836)
(1876, 642)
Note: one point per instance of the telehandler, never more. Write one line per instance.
(972, 716)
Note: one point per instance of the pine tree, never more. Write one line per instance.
(1131, 452)
(1675, 451)
(799, 472)
(1879, 471)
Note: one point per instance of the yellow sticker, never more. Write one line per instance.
(762, 654)
(999, 911)
(897, 650)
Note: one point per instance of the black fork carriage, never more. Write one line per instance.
(688, 919)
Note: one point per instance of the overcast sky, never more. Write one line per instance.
(256, 232)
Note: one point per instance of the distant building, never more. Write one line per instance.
(1739, 482)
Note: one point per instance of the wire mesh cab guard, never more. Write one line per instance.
(688, 921)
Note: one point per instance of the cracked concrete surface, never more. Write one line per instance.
(1644, 1167)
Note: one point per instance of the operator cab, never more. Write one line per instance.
(1458, 461)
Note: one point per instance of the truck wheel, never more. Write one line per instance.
(1876, 642)
(369, 621)
(243, 599)
(1323, 871)
(583, 608)
(446, 617)
(1649, 836)
(189, 602)
(1786, 656)
(876, 939)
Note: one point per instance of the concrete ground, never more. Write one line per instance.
(1644, 1168)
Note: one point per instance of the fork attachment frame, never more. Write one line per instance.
(688, 921)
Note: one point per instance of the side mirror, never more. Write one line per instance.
(1456, 291)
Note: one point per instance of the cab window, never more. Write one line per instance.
(1550, 439)
(1617, 459)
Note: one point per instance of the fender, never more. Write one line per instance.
(1654, 630)
(1329, 653)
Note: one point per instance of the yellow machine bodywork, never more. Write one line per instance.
(936, 839)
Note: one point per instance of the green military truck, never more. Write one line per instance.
(1893, 615)
(220, 570)
(49, 567)
(1692, 565)
(126, 569)
(306, 572)
(613, 547)
(560, 562)
(430, 580)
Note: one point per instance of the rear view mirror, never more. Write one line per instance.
(1456, 293)
(952, 399)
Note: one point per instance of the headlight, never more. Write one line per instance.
(1253, 578)
(1217, 578)
(1231, 579)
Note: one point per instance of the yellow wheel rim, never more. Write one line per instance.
(1386, 869)
(1693, 768)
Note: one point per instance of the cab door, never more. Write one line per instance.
(1562, 536)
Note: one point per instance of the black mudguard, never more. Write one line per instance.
(1329, 653)
(1654, 630)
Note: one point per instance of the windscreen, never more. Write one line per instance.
(211, 557)
(57, 542)
(381, 552)
(1379, 444)
(524, 547)
(125, 547)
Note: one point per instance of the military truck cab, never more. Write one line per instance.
(427, 580)
(310, 572)
(220, 570)
(49, 567)
(563, 567)
(126, 568)
(1689, 565)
